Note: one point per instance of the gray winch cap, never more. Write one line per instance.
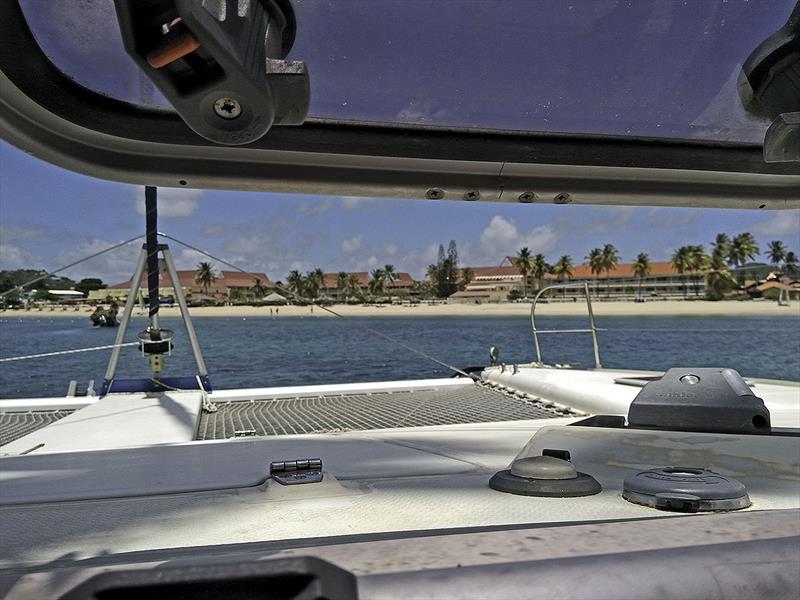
(685, 489)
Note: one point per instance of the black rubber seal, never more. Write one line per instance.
(582, 485)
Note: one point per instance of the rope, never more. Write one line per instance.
(20, 288)
(331, 311)
(61, 352)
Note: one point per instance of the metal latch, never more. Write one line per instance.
(293, 472)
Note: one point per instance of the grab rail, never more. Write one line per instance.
(592, 327)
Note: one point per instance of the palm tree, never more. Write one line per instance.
(776, 252)
(204, 276)
(641, 268)
(722, 245)
(596, 264)
(467, 275)
(341, 284)
(681, 261)
(391, 275)
(295, 284)
(258, 289)
(563, 269)
(539, 268)
(718, 278)
(353, 286)
(790, 264)
(743, 248)
(377, 283)
(610, 261)
(697, 262)
(524, 266)
(313, 283)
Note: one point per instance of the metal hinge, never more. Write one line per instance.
(293, 472)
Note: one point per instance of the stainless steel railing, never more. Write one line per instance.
(592, 327)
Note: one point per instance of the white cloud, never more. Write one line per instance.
(354, 202)
(13, 257)
(189, 259)
(391, 249)
(785, 222)
(172, 203)
(214, 230)
(112, 267)
(502, 238)
(416, 261)
(25, 233)
(372, 261)
(351, 245)
(274, 249)
(669, 217)
(314, 206)
(615, 218)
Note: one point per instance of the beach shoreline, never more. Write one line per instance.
(697, 308)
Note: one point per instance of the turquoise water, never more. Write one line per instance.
(260, 352)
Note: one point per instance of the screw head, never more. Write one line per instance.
(227, 107)
(434, 194)
(472, 195)
(527, 197)
(562, 198)
(690, 379)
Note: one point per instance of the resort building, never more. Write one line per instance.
(494, 284)
(403, 285)
(229, 286)
(490, 284)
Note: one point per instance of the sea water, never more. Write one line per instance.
(264, 351)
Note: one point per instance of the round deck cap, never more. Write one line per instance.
(685, 489)
(543, 467)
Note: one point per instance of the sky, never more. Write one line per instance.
(50, 217)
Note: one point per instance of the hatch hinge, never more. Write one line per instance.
(293, 472)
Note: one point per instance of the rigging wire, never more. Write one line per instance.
(380, 334)
(61, 352)
(21, 287)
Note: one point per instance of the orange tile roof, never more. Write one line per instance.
(187, 279)
(657, 269)
(622, 270)
(237, 279)
(495, 271)
(403, 279)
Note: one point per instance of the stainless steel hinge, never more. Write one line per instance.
(293, 472)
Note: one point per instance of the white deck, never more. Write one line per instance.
(179, 493)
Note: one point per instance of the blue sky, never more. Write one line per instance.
(50, 217)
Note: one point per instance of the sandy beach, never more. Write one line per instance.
(653, 308)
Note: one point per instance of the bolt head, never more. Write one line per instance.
(227, 107)
(562, 198)
(527, 197)
(472, 195)
(434, 194)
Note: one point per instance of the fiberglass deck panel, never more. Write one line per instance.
(14, 425)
